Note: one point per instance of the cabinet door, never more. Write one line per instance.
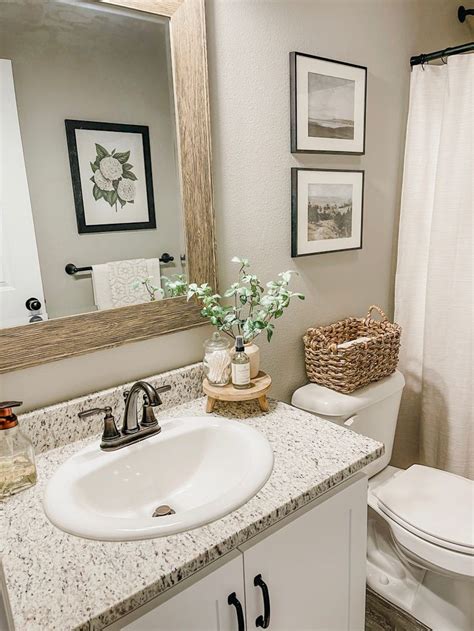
(202, 606)
(314, 567)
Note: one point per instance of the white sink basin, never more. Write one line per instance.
(202, 467)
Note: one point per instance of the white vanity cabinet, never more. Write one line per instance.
(311, 564)
(313, 567)
(203, 606)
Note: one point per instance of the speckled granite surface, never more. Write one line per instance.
(59, 424)
(58, 582)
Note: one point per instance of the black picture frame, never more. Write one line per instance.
(294, 211)
(71, 127)
(294, 105)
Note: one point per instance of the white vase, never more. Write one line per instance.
(253, 353)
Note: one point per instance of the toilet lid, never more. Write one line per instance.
(435, 505)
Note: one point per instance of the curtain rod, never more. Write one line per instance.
(439, 54)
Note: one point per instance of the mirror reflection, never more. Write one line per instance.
(91, 209)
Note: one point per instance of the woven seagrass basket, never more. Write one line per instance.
(353, 365)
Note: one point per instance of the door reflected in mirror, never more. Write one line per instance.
(92, 213)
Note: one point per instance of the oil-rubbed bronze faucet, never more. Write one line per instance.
(151, 399)
(132, 431)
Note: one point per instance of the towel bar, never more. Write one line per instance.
(72, 269)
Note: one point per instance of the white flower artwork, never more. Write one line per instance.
(110, 167)
(102, 182)
(111, 174)
(113, 177)
(126, 190)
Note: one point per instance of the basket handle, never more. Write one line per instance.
(380, 312)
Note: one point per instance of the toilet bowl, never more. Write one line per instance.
(420, 548)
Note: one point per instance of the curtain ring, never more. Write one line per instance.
(444, 60)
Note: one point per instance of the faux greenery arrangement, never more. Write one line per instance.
(175, 286)
(254, 306)
(152, 290)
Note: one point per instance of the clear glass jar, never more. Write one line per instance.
(17, 462)
(217, 360)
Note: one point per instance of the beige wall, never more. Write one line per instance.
(248, 44)
(89, 71)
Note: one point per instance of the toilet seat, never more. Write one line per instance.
(434, 505)
(430, 515)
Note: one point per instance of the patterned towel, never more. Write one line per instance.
(114, 282)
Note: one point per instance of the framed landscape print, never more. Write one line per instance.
(328, 105)
(111, 176)
(326, 211)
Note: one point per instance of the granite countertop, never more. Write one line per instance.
(59, 582)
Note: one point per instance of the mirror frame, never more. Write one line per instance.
(32, 344)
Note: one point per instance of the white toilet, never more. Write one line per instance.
(420, 548)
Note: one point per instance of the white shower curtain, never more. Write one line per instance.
(434, 285)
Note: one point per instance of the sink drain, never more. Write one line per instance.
(163, 511)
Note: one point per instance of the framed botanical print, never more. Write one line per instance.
(326, 211)
(328, 105)
(111, 176)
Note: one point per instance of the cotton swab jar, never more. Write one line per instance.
(217, 360)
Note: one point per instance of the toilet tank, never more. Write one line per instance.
(371, 411)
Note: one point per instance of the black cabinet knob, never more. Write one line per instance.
(33, 304)
(166, 258)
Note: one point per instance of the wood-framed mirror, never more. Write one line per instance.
(95, 191)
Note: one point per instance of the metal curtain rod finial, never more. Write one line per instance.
(447, 52)
(463, 13)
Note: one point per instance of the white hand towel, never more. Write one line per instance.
(114, 282)
(101, 287)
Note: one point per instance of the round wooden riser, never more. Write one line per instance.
(258, 390)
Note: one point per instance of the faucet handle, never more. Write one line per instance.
(148, 415)
(165, 388)
(110, 431)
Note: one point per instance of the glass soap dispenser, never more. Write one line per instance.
(17, 455)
